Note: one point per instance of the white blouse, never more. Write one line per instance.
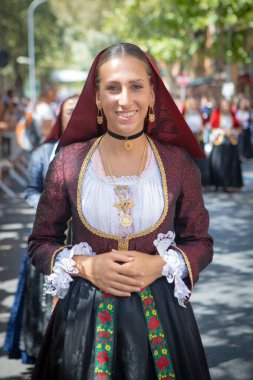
(98, 200)
(194, 121)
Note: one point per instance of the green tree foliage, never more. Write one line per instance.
(172, 29)
(14, 36)
(69, 33)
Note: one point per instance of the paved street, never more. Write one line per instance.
(222, 299)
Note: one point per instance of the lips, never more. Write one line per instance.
(126, 115)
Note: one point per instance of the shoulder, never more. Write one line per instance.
(43, 149)
(75, 149)
(74, 154)
(172, 152)
(176, 160)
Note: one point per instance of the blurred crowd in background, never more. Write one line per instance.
(224, 129)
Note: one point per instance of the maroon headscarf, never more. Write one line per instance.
(168, 127)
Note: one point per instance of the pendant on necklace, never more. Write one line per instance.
(126, 220)
(128, 145)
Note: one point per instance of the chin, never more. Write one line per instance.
(126, 130)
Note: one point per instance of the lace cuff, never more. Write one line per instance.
(58, 282)
(175, 268)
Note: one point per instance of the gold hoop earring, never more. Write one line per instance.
(151, 114)
(100, 116)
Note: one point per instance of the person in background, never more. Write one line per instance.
(244, 116)
(44, 114)
(196, 122)
(9, 110)
(194, 119)
(225, 166)
(125, 175)
(43, 155)
(32, 307)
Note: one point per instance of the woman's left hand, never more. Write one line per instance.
(150, 265)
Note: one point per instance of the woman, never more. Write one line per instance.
(225, 167)
(195, 120)
(43, 155)
(32, 307)
(245, 118)
(139, 232)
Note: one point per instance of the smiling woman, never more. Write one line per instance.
(140, 237)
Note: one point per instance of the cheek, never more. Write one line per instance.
(109, 102)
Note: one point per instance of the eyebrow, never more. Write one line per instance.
(131, 81)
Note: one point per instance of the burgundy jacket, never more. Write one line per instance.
(184, 210)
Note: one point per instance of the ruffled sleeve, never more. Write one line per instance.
(58, 281)
(175, 268)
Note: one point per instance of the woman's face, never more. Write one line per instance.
(225, 106)
(244, 104)
(124, 94)
(193, 104)
(68, 108)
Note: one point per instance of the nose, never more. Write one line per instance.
(124, 97)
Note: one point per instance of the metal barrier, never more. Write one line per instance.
(13, 163)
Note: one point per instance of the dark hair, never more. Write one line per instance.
(122, 49)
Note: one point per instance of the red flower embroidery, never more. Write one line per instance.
(104, 316)
(102, 376)
(103, 357)
(153, 323)
(157, 340)
(106, 295)
(147, 301)
(162, 362)
(103, 334)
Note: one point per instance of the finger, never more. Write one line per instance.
(130, 272)
(116, 256)
(126, 253)
(128, 281)
(124, 288)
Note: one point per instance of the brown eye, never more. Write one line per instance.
(137, 86)
(113, 88)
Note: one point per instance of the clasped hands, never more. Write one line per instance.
(120, 273)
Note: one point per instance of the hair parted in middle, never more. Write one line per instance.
(119, 50)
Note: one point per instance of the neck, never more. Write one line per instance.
(116, 147)
(123, 137)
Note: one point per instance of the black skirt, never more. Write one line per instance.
(245, 145)
(225, 166)
(68, 350)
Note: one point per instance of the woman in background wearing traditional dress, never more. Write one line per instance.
(225, 165)
(32, 307)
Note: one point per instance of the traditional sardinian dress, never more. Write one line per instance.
(150, 335)
(225, 166)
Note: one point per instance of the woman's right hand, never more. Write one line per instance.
(107, 273)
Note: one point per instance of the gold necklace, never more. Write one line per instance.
(125, 203)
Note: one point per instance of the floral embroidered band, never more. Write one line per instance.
(105, 337)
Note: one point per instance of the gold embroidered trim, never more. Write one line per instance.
(53, 257)
(123, 244)
(188, 265)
